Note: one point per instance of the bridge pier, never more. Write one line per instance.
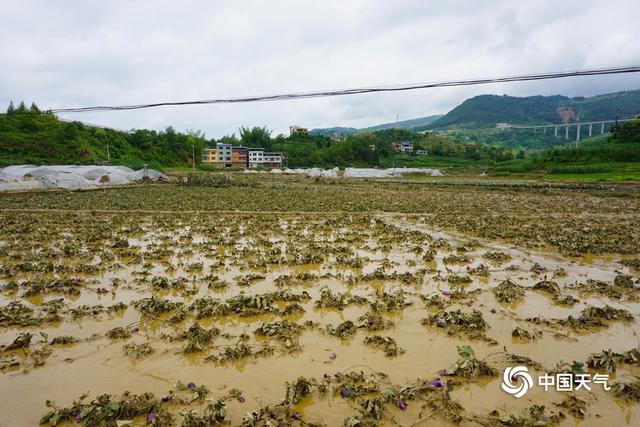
(602, 131)
(590, 129)
(555, 131)
(566, 132)
(578, 132)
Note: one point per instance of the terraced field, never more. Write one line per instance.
(283, 302)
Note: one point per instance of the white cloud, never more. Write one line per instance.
(67, 54)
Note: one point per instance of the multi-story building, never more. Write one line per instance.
(272, 160)
(403, 146)
(256, 157)
(227, 156)
(209, 155)
(295, 130)
(219, 156)
(240, 157)
(224, 154)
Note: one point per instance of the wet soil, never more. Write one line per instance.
(404, 271)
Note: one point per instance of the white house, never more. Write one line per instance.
(256, 157)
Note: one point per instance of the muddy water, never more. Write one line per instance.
(96, 364)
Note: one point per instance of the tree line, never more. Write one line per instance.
(360, 149)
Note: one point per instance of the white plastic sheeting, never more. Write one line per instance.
(326, 173)
(354, 172)
(329, 173)
(386, 173)
(68, 181)
(71, 177)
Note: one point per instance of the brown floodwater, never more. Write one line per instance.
(97, 365)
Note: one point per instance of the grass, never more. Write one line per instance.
(579, 169)
(602, 177)
(589, 172)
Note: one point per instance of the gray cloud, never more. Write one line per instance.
(67, 54)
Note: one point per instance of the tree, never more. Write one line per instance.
(228, 139)
(34, 108)
(616, 127)
(630, 132)
(11, 108)
(255, 137)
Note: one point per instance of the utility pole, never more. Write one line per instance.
(108, 154)
(394, 149)
(193, 157)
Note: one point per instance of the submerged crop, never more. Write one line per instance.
(371, 314)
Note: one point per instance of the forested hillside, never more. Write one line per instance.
(485, 111)
(27, 136)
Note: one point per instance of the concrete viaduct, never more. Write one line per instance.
(559, 129)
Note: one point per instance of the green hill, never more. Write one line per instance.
(485, 111)
(30, 137)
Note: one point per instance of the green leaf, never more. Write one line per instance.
(465, 351)
(55, 418)
(577, 368)
(46, 417)
(112, 407)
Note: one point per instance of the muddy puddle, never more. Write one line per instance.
(303, 320)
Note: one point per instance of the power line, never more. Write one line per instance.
(362, 90)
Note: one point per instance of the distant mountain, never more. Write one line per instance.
(411, 124)
(338, 130)
(405, 124)
(487, 110)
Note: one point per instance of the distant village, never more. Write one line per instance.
(237, 156)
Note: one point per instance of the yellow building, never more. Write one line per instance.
(296, 130)
(226, 156)
(209, 155)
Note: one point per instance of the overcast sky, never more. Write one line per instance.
(85, 52)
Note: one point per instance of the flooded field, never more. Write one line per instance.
(299, 318)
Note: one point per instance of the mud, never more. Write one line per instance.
(234, 276)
